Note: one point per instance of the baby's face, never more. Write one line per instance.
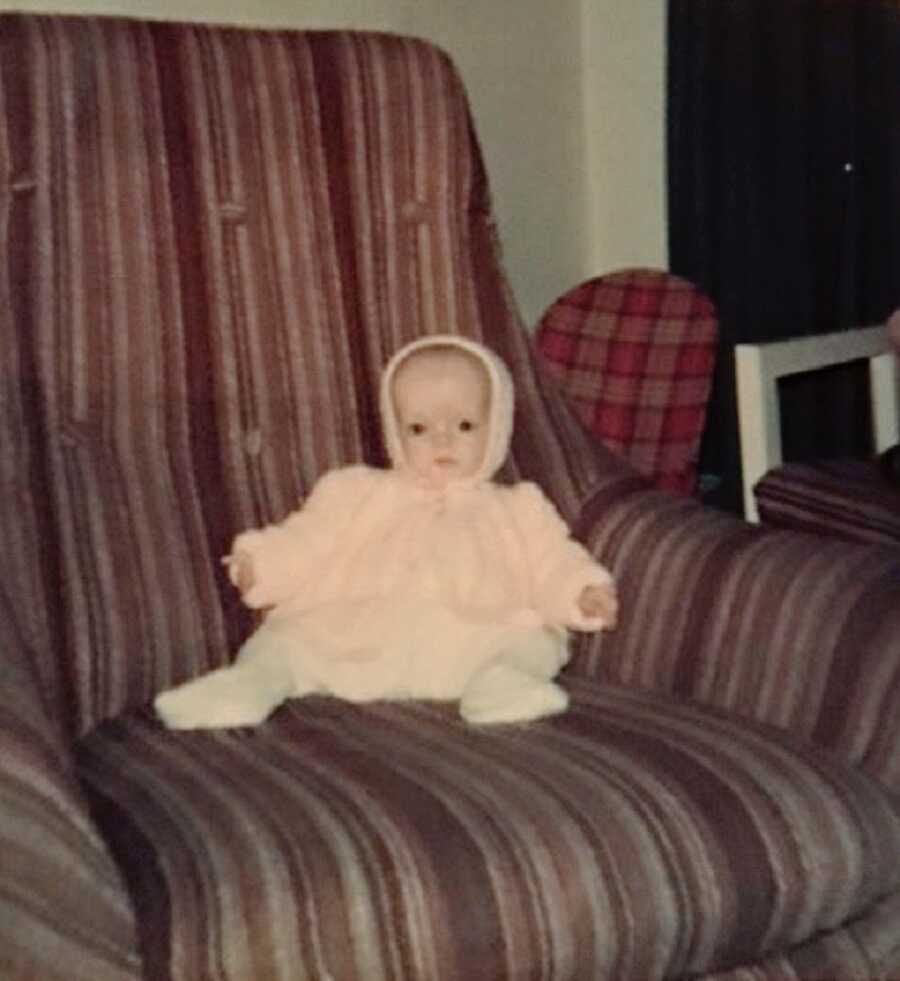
(442, 401)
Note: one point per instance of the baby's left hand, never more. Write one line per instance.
(600, 601)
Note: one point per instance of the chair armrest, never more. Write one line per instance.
(793, 630)
(64, 912)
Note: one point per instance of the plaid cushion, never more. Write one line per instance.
(634, 352)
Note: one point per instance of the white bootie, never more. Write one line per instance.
(502, 693)
(241, 695)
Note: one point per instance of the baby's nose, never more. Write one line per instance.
(442, 436)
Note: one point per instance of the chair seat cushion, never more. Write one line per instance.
(849, 499)
(633, 837)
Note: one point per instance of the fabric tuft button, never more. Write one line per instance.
(253, 442)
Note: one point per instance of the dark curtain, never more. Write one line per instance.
(783, 130)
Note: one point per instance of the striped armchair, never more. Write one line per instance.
(212, 239)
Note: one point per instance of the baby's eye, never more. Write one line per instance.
(467, 426)
(415, 428)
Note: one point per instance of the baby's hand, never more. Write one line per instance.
(240, 571)
(599, 601)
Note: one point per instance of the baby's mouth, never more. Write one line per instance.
(445, 461)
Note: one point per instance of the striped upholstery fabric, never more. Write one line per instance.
(64, 911)
(792, 630)
(212, 240)
(632, 837)
(851, 499)
(634, 352)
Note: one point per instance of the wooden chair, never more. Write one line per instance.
(788, 493)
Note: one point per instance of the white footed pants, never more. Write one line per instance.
(513, 685)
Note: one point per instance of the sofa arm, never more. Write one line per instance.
(793, 630)
(64, 913)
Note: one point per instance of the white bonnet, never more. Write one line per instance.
(502, 399)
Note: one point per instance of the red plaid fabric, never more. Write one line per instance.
(634, 352)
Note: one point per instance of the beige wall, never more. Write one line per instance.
(567, 96)
(623, 58)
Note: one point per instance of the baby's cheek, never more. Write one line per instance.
(414, 454)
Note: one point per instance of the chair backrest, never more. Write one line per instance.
(758, 367)
(213, 239)
(634, 352)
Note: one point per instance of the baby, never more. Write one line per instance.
(424, 581)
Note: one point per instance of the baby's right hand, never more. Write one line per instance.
(240, 571)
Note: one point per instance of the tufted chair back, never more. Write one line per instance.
(215, 239)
